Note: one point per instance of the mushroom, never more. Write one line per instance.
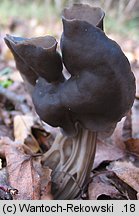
(34, 57)
(98, 94)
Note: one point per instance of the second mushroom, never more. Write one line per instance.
(98, 93)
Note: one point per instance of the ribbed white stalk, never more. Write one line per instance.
(71, 160)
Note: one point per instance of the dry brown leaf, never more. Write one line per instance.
(46, 184)
(46, 194)
(107, 185)
(22, 174)
(127, 171)
(131, 129)
(25, 171)
(22, 125)
(132, 145)
(98, 188)
(111, 148)
(45, 180)
(23, 133)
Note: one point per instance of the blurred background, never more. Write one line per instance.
(40, 17)
(32, 18)
(43, 16)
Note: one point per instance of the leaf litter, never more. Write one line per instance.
(25, 171)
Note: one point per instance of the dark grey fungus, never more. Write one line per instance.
(99, 92)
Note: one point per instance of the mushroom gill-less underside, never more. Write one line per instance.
(99, 92)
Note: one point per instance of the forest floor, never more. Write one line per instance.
(23, 136)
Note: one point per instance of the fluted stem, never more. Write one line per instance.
(71, 160)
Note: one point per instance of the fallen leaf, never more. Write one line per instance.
(98, 189)
(22, 125)
(21, 172)
(107, 185)
(46, 194)
(127, 170)
(46, 184)
(45, 179)
(25, 172)
(22, 131)
(111, 148)
(131, 129)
